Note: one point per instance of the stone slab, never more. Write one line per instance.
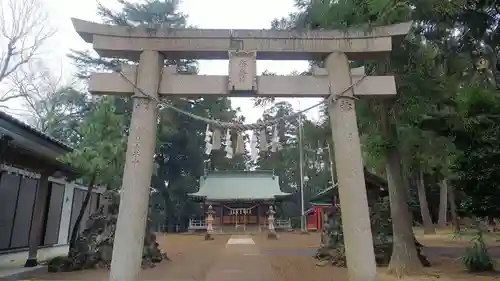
(240, 241)
(129, 42)
(267, 86)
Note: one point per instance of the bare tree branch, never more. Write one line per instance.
(23, 30)
(53, 106)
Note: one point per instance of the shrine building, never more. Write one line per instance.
(40, 198)
(240, 200)
(321, 203)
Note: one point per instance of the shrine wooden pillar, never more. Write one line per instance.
(317, 209)
(221, 215)
(38, 218)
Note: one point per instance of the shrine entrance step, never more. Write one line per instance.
(241, 229)
(241, 260)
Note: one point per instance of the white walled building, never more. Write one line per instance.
(39, 200)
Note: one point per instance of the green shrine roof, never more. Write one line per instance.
(239, 185)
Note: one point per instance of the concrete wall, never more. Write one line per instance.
(17, 196)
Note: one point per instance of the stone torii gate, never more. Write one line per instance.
(242, 47)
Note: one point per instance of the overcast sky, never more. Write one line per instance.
(226, 14)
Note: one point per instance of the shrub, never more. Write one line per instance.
(476, 257)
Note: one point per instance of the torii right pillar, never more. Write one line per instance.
(352, 190)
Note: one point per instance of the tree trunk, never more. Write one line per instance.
(405, 178)
(424, 206)
(168, 208)
(453, 206)
(76, 228)
(404, 259)
(443, 204)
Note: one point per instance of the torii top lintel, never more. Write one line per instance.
(128, 42)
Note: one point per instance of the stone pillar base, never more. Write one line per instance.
(31, 263)
(209, 236)
(272, 235)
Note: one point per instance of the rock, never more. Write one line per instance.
(57, 264)
(322, 263)
(94, 245)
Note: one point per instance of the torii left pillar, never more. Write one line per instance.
(132, 216)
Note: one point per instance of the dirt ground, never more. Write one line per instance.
(290, 258)
(446, 238)
(191, 257)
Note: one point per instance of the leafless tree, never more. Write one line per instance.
(38, 89)
(24, 28)
(49, 103)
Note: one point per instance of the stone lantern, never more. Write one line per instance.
(209, 221)
(270, 221)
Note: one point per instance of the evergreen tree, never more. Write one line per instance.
(451, 46)
(180, 148)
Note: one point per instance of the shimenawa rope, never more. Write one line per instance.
(333, 97)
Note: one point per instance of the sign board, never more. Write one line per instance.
(242, 71)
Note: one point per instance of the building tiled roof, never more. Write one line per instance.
(372, 181)
(239, 185)
(30, 141)
(25, 126)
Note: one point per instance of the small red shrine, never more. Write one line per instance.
(376, 187)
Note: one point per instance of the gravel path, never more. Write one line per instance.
(241, 260)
